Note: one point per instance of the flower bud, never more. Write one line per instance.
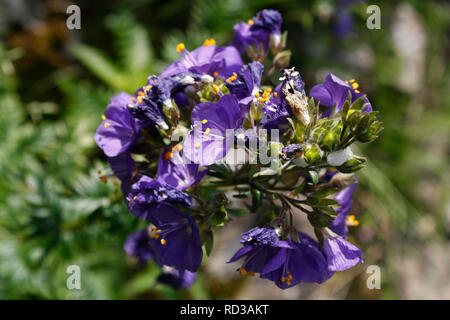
(329, 140)
(282, 59)
(342, 180)
(313, 154)
(277, 42)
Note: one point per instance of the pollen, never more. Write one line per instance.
(355, 85)
(104, 179)
(180, 47)
(135, 197)
(216, 89)
(232, 78)
(207, 131)
(275, 95)
(351, 221)
(197, 145)
(215, 74)
(106, 124)
(243, 271)
(168, 155)
(250, 22)
(352, 81)
(257, 94)
(163, 241)
(177, 147)
(209, 42)
(103, 117)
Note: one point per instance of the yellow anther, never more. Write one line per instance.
(215, 74)
(106, 124)
(155, 234)
(135, 197)
(232, 78)
(288, 283)
(180, 47)
(261, 99)
(351, 221)
(204, 121)
(177, 147)
(275, 95)
(140, 93)
(197, 145)
(269, 90)
(355, 85)
(168, 155)
(103, 117)
(283, 279)
(307, 98)
(207, 131)
(346, 81)
(251, 273)
(352, 81)
(243, 271)
(163, 241)
(133, 99)
(257, 94)
(209, 42)
(266, 94)
(250, 22)
(104, 179)
(289, 278)
(216, 88)
(357, 91)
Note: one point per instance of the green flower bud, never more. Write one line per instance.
(329, 140)
(313, 154)
(282, 59)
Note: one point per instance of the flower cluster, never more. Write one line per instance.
(210, 128)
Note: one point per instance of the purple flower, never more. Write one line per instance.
(173, 170)
(138, 244)
(142, 244)
(118, 130)
(291, 151)
(257, 31)
(341, 254)
(263, 251)
(246, 84)
(207, 59)
(213, 133)
(146, 194)
(178, 238)
(303, 262)
(149, 100)
(176, 278)
(344, 199)
(124, 168)
(277, 110)
(334, 92)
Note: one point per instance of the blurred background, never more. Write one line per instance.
(55, 84)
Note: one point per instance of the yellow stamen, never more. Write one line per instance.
(180, 47)
(215, 74)
(275, 95)
(232, 78)
(357, 91)
(135, 197)
(204, 121)
(106, 124)
(99, 171)
(283, 279)
(355, 85)
(216, 88)
(257, 94)
(243, 271)
(177, 147)
(351, 221)
(168, 155)
(163, 241)
(207, 131)
(209, 42)
(197, 145)
(250, 22)
(251, 273)
(352, 81)
(103, 117)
